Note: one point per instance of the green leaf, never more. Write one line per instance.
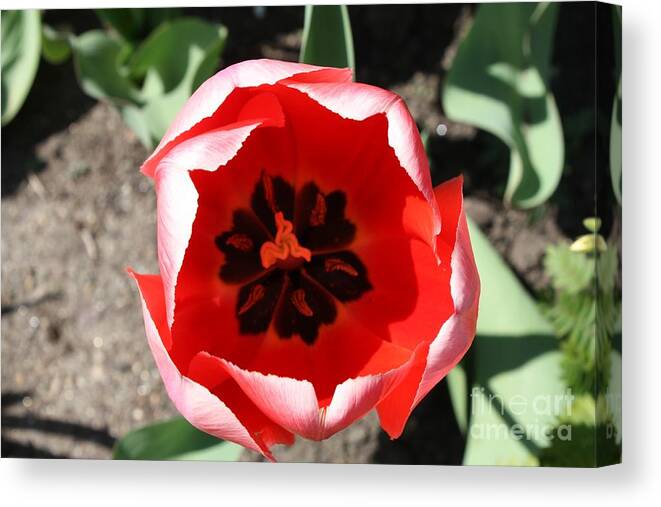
(173, 61)
(458, 388)
(607, 268)
(54, 45)
(168, 66)
(175, 50)
(133, 24)
(154, 17)
(327, 38)
(499, 83)
(616, 144)
(21, 47)
(613, 396)
(568, 270)
(515, 366)
(135, 118)
(616, 114)
(98, 59)
(127, 23)
(175, 439)
(583, 444)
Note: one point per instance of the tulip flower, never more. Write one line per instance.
(309, 272)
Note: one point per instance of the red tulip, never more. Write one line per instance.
(308, 271)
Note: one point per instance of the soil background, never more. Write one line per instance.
(76, 369)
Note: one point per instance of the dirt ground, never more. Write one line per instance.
(76, 369)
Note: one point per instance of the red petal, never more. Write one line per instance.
(177, 196)
(218, 194)
(293, 403)
(457, 333)
(209, 371)
(264, 107)
(411, 297)
(203, 104)
(358, 101)
(194, 401)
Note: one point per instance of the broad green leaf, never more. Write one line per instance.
(54, 45)
(128, 23)
(135, 118)
(98, 58)
(616, 144)
(173, 61)
(327, 38)
(21, 48)
(458, 388)
(585, 446)
(499, 83)
(515, 366)
(133, 24)
(175, 439)
(175, 50)
(616, 114)
(596, 427)
(154, 17)
(613, 395)
(176, 58)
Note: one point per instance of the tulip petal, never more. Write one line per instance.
(177, 196)
(293, 403)
(195, 402)
(358, 101)
(214, 91)
(457, 333)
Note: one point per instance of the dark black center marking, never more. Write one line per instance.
(289, 253)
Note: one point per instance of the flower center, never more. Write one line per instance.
(285, 252)
(289, 254)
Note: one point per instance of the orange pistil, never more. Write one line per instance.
(285, 249)
(334, 264)
(298, 300)
(255, 295)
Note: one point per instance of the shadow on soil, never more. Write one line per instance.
(15, 449)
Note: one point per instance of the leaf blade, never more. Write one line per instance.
(327, 38)
(174, 439)
(21, 49)
(514, 359)
(498, 82)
